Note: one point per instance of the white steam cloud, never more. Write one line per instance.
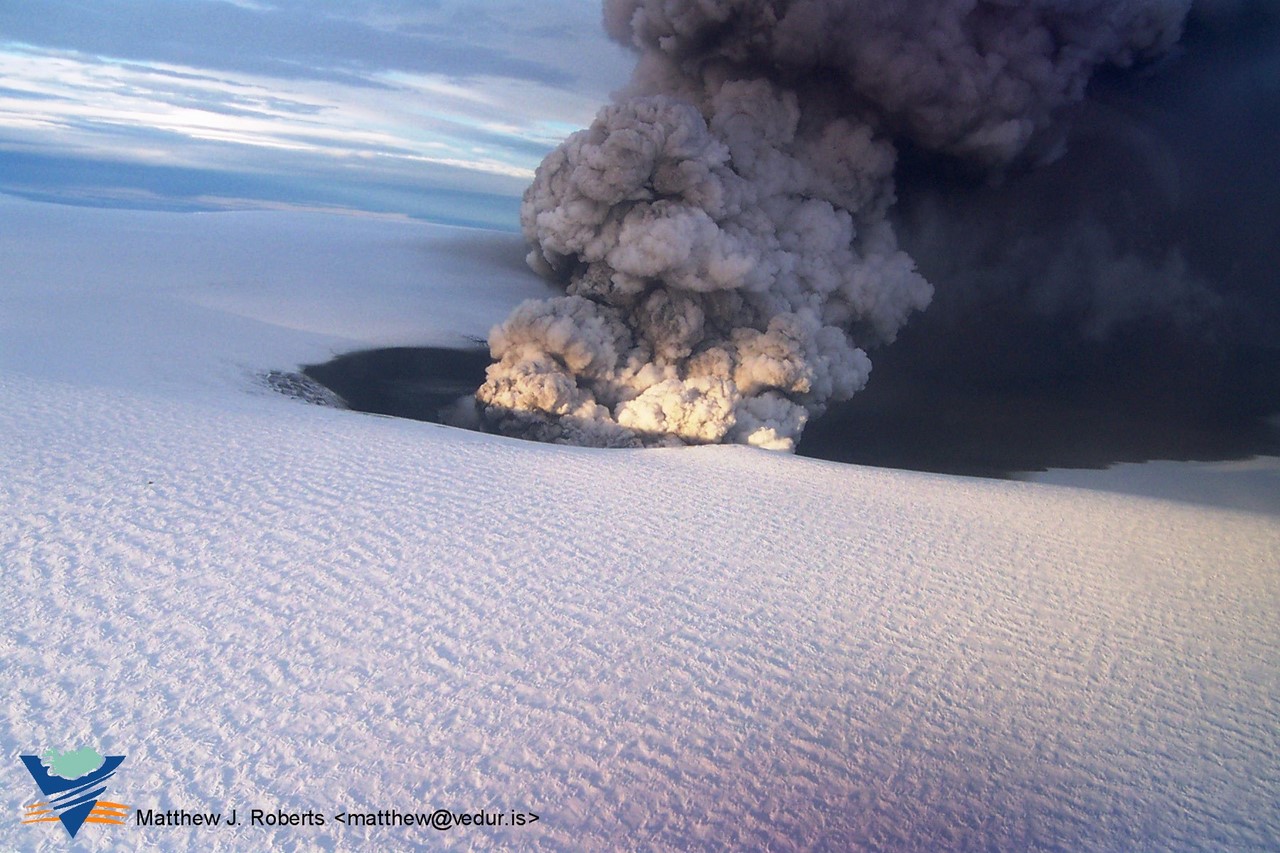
(720, 231)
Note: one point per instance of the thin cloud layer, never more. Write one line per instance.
(337, 43)
(426, 97)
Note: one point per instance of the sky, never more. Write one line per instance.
(439, 109)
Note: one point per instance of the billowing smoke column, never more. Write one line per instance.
(720, 231)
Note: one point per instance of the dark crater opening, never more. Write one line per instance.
(406, 382)
(917, 417)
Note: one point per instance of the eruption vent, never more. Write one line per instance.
(720, 230)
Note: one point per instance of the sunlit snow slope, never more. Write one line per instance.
(265, 604)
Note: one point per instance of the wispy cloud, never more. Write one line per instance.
(81, 103)
(336, 42)
(400, 91)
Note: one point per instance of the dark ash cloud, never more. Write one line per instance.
(724, 234)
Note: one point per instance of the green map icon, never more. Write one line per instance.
(72, 764)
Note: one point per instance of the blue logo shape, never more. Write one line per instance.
(73, 802)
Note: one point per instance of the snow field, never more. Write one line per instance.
(265, 604)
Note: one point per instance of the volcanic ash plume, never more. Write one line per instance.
(720, 231)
